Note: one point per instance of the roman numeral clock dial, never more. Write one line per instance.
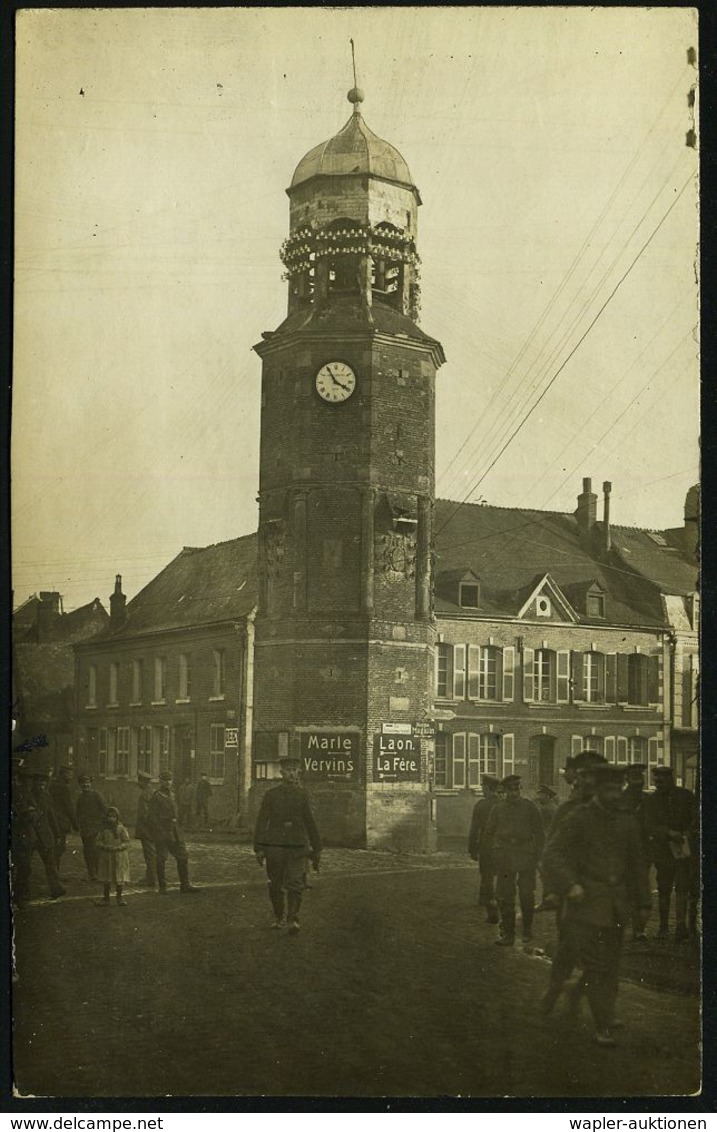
(335, 382)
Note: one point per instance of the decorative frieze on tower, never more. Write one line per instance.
(344, 630)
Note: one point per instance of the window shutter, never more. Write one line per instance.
(654, 668)
(508, 754)
(655, 755)
(578, 677)
(473, 671)
(610, 748)
(611, 678)
(576, 744)
(622, 677)
(111, 750)
(508, 673)
(563, 669)
(600, 661)
(459, 672)
(459, 760)
(528, 675)
(473, 759)
(621, 749)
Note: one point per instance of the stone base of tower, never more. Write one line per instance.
(399, 821)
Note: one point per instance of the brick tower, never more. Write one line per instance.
(344, 629)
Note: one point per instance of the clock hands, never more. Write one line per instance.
(336, 381)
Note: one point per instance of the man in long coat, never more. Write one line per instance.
(90, 810)
(514, 833)
(478, 849)
(64, 807)
(286, 834)
(671, 826)
(595, 860)
(142, 829)
(167, 836)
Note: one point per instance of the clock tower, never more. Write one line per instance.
(344, 645)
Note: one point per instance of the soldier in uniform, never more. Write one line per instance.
(545, 797)
(671, 825)
(285, 835)
(514, 833)
(142, 830)
(90, 809)
(64, 806)
(478, 849)
(595, 859)
(37, 831)
(167, 836)
(634, 797)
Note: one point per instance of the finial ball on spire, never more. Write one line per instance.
(355, 94)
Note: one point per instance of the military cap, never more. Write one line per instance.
(641, 767)
(66, 766)
(608, 772)
(166, 776)
(662, 770)
(543, 789)
(511, 780)
(289, 761)
(143, 776)
(84, 778)
(588, 759)
(489, 781)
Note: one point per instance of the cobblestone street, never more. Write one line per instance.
(393, 988)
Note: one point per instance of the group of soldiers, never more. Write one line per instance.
(45, 810)
(594, 853)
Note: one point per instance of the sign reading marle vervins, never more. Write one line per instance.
(330, 754)
(396, 758)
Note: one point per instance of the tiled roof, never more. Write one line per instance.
(348, 316)
(511, 548)
(202, 585)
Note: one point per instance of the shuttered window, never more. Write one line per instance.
(474, 662)
(528, 675)
(444, 671)
(508, 673)
(508, 754)
(459, 760)
(459, 672)
(563, 677)
(594, 678)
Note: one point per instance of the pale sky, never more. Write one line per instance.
(153, 150)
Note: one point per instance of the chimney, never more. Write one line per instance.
(48, 615)
(586, 510)
(607, 488)
(118, 603)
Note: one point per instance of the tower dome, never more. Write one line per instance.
(354, 150)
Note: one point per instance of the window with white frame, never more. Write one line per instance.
(92, 685)
(219, 676)
(111, 751)
(655, 751)
(137, 673)
(490, 673)
(637, 677)
(444, 671)
(217, 752)
(440, 760)
(160, 747)
(144, 749)
(544, 676)
(637, 747)
(160, 679)
(463, 758)
(114, 683)
(594, 677)
(185, 682)
(102, 752)
(122, 752)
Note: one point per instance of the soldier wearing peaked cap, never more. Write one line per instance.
(671, 824)
(90, 809)
(286, 834)
(515, 834)
(142, 830)
(36, 829)
(545, 797)
(167, 836)
(595, 859)
(478, 848)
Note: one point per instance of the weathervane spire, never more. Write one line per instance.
(355, 95)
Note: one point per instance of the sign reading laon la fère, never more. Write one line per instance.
(396, 758)
(330, 754)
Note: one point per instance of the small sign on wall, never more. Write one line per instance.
(396, 758)
(231, 737)
(329, 755)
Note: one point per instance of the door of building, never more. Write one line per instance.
(541, 761)
(184, 753)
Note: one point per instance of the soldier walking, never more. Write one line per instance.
(514, 833)
(36, 830)
(595, 860)
(64, 807)
(167, 836)
(142, 830)
(671, 825)
(286, 834)
(478, 848)
(90, 810)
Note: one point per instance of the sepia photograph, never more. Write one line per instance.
(355, 523)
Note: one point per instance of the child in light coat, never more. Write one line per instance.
(113, 846)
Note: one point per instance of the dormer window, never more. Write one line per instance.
(542, 606)
(468, 595)
(596, 605)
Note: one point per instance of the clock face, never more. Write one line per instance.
(335, 382)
